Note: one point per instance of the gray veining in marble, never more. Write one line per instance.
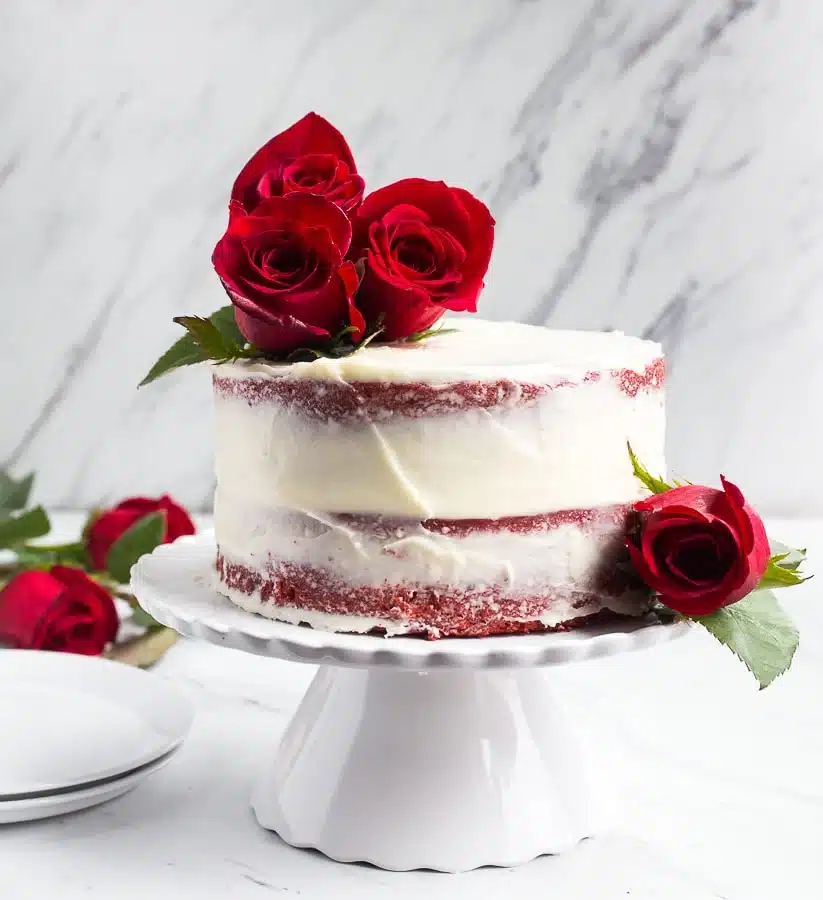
(653, 167)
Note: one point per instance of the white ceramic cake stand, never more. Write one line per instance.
(406, 753)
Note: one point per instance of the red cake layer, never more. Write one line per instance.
(585, 519)
(433, 613)
(377, 401)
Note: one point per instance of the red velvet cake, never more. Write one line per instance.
(474, 484)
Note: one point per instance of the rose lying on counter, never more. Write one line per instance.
(62, 596)
(705, 554)
(59, 609)
(107, 527)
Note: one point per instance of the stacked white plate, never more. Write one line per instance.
(76, 731)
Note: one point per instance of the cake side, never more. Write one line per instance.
(435, 577)
(501, 509)
(486, 448)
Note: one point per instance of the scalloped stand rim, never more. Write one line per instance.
(406, 754)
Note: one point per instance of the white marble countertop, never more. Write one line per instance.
(718, 787)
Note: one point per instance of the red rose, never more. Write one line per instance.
(427, 247)
(62, 609)
(311, 157)
(699, 548)
(283, 269)
(112, 523)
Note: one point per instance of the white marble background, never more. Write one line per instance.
(653, 167)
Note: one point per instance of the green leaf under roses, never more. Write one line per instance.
(220, 333)
(418, 336)
(758, 631)
(655, 485)
(184, 352)
(22, 527)
(138, 540)
(226, 323)
(15, 494)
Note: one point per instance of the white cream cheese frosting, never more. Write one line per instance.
(398, 433)
(565, 449)
(477, 349)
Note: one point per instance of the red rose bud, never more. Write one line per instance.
(427, 247)
(283, 269)
(62, 609)
(699, 548)
(311, 157)
(111, 524)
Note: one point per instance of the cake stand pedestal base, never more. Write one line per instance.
(407, 753)
(445, 770)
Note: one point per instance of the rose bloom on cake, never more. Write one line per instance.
(63, 597)
(317, 270)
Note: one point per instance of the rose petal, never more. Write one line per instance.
(110, 524)
(459, 231)
(741, 513)
(698, 560)
(295, 213)
(178, 521)
(702, 604)
(434, 198)
(351, 280)
(277, 332)
(39, 610)
(26, 603)
(645, 570)
(312, 135)
(98, 601)
(693, 497)
(479, 246)
(403, 310)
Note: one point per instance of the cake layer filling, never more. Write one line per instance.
(343, 401)
(316, 597)
(565, 450)
(519, 555)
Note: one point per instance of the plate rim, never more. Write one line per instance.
(110, 789)
(183, 714)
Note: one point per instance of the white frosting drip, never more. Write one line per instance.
(479, 350)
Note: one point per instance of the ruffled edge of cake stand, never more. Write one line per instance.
(176, 585)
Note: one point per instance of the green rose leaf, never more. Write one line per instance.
(654, 484)
(213, 343)
(14, 494)
(783, 569)
(184, 352)
(138, 540)
(140, 617)
(226, 323)
(38, 557)
(18, 528)
(777, 575)
(217, 338)
(758, 631)
(418, 336)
